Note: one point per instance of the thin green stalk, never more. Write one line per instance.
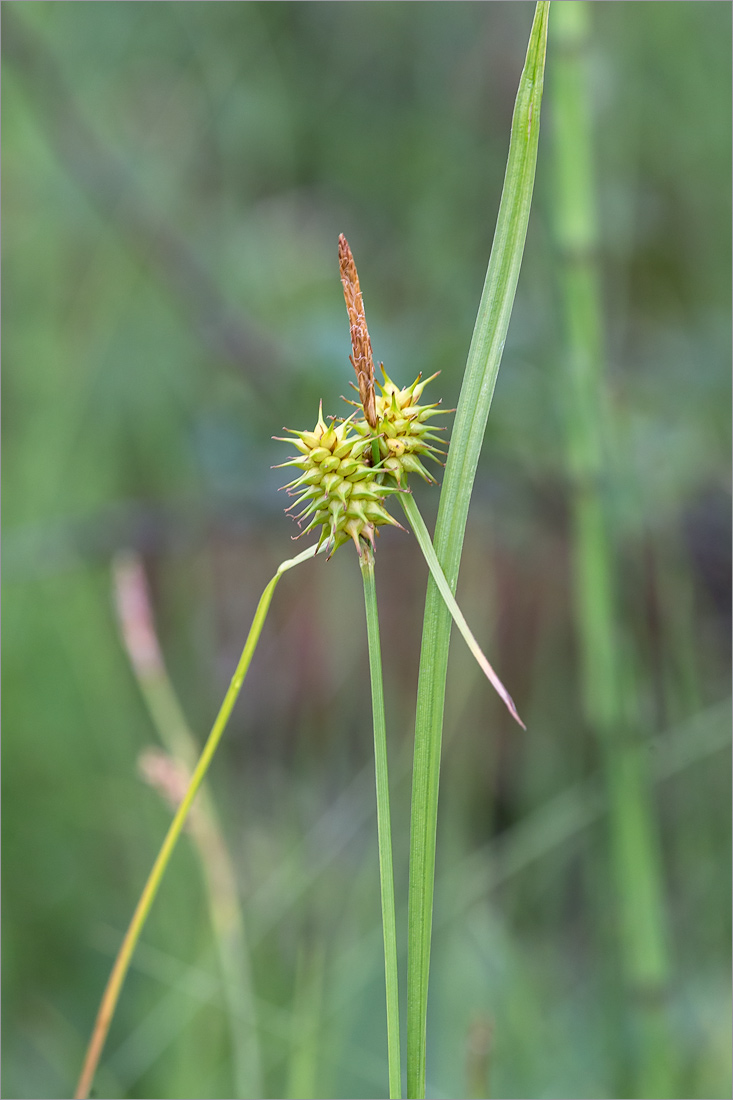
(122, 962)
(384, 829)
(225, 912)
(484, 357)
(610, 707)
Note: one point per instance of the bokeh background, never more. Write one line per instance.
(175, 177)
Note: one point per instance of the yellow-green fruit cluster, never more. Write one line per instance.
(403, 430)
(340, 491)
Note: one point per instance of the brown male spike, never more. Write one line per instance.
(362, 359)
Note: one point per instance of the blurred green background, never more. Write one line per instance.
(175, 177)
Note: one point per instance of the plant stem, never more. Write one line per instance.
(610, 707)
(384, 829)
(306, 1019)
(227, 920)
(484, 357)
(132, 935)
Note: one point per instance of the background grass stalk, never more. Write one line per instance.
(140, 638)
(384, 829)
(306, 1021)
(122, 962)
(610, 706)
(484, 357)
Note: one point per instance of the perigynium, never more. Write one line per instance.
(404, 431)
(341, 489)
(341, 492)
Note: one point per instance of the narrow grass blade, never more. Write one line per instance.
(144, 905)
(384, 829)
(140, 638)
(422, 535)
(484, 357)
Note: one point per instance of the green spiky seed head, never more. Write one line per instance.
(338, 490)
(403, 429)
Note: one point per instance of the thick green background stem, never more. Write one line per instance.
(122, 962)
(610, 709)
(384, 828)
(484, 357)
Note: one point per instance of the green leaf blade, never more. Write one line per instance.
(484, 357)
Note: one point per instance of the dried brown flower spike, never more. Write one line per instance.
(362, 359)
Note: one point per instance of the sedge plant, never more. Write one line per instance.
(349, 471)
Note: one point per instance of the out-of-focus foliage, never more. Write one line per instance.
(175, 177)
